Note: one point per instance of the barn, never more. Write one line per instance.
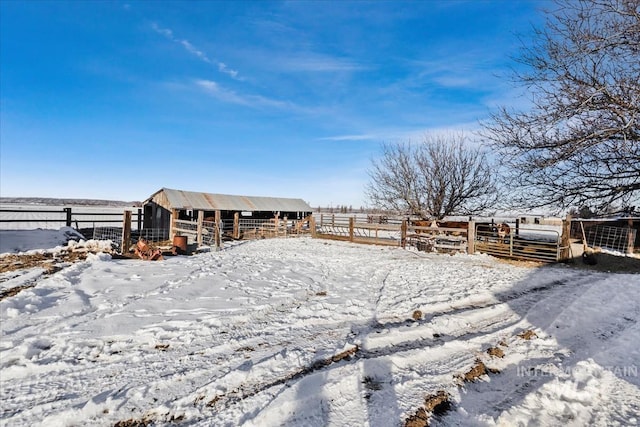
(166, 205)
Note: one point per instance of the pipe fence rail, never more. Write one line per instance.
(528, 244)
(68, 217)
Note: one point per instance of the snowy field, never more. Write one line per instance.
(306, 332)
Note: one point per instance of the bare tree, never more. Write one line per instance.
(579, 144)
(439, 177)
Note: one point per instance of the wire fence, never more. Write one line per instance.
(114, 234)
(151, 234)
(208, 232)
(618, 239)
(261, 228)
(109, 233)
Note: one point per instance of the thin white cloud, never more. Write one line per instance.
(453, 81)
(318, 63)
(192, 49)
(163, 31)
(362, 137)
(226, 95)
(189, 47)
(222, 67)
(468, 130)
(467, 69)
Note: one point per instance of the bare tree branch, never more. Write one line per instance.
(579, 145)
(440, 177)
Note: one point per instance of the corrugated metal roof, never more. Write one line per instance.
(180, 199)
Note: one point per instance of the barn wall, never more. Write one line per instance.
(157, 211)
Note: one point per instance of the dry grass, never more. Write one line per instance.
(495, 352)
(476, 371)
(527, 335)
(48, 261)
(434, 404)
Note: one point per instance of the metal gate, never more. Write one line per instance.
(527, 244)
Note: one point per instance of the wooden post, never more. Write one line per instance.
(333, 220)
(565, 241)
(67, 216)
(630, 243)
(286, 225)
(236, 225)
(126, 232)
(517, 227)
(199, 228)
(312, 225)
(471, 238)
(276, 223)
(139, 219)
(510, 243)
(172, 225)
(217, 233)
(321, 219)
(403, 233)
(351, 223)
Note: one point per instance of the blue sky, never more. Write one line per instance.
(114, 100)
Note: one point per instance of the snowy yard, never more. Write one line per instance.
(295, 332)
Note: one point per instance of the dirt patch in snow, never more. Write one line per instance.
(147, 420)
(435, 404)
(440, 403)
(476, 371)
(6, 293)
(495, 352)
(49, 261)
(527, 335)
(133, 423)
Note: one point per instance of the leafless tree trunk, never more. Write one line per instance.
(579, 145)
(439, 177)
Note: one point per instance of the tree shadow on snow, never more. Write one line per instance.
(584, 323)
(373, 388)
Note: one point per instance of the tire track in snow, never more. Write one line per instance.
(526, 298)
(365, 327)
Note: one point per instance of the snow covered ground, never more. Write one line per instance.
(301, 331)
(16, 241)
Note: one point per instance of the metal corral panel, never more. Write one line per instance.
(179, 199)
(512, 246)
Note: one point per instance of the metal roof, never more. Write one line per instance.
(179, 199)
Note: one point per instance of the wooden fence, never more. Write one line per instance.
(392, 232)
(213, 233)
(401, 233)
(520, 243)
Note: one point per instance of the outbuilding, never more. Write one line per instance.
(166, 205)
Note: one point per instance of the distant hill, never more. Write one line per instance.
(47, 201)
